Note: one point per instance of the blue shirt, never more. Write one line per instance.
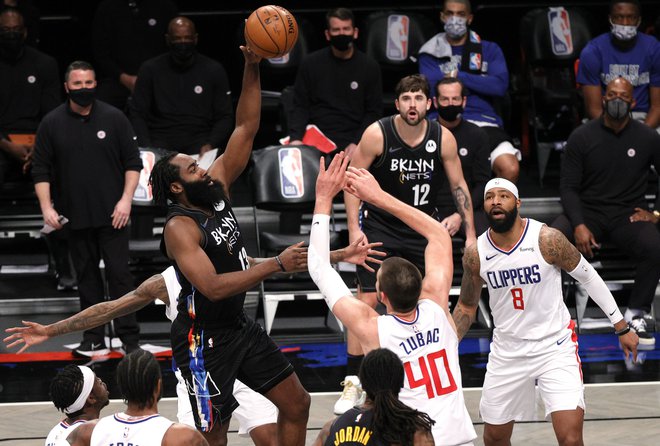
(601, 61)
(482, 88)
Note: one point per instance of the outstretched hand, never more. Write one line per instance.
(363, 185)
(359, 253)
(250, 56)
(331, 180)
(294, 258)
(30, 334)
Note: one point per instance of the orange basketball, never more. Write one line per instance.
(271, 31)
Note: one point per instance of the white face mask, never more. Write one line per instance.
(455, 26)
(623, 32)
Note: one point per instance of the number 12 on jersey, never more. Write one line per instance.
(431, 369)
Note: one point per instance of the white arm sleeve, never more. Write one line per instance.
(595, 286)
(323, 274)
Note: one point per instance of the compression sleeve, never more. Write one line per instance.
(323, 274)
(595, 286)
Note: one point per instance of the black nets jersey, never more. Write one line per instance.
(414, 175)
(223, 243)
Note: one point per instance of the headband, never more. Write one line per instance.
(88, 383)
(503, 184)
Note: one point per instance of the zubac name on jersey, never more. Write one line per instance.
(525, 275)
(420, 340)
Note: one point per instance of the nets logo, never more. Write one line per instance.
(292, 181)
(397, 37)
(561, 38)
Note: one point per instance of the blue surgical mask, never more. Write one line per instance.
(455, 27)
(624, 32)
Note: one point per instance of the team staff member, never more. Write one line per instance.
(182, 100)
(407, 154)
(472, 144)
(86, 167)
(603, 179)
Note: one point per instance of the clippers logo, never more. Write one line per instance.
(561, 39)
(397, 37)
(143, 189)
(292, 181)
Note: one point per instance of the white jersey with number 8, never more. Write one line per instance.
(525, 294)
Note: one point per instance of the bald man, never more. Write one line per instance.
(182, 101)
(604, 176)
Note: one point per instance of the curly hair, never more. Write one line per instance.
(65, 388)
(382, 377)
(162, 175)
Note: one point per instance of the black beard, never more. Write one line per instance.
(502, 226)
(202, 194)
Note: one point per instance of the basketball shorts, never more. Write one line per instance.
(395, 243)
(515, 367)
(210, 360)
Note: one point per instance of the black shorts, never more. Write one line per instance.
(397, 242)
(215, 357)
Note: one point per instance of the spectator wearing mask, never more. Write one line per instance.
(459, 52)
(182, 100)
(623, 52)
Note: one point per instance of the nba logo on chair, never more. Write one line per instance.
(560, 32)
(292, 181)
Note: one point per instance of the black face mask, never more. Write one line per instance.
(182, 53)
(342, 42)
(83, 96)
(450, 113)
(11, 45)
(617, 108)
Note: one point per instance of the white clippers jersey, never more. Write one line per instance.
(57, 435)
(524, 290)
(428, 348)
(122, 429)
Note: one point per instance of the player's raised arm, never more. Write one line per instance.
(466, 310)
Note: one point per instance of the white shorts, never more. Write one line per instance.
(516, 366)
(254, 409)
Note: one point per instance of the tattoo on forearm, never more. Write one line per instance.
(468, 300)
(463, 204)
(462, 320)
(557, 250)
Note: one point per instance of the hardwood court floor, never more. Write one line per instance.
(617, 414)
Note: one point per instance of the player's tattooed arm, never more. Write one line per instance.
(557, 250)
(463, 204)
(468, 300)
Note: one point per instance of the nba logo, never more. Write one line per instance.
(475, 61)
(561, 38)
(292, 182)
(143, 189)
(397, 37)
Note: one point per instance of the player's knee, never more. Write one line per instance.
(297, 409)
(507, 166)
(570, 438)
(494, 436)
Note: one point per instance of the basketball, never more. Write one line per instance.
(271, 31)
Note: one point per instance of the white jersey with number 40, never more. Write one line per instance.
(525, 294)
(428, 348)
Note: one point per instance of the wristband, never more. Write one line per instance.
(279, 262)
(623, 331)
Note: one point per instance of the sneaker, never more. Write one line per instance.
(650, 322)
(351, 396)
(65, 283)
(646, 339)
(88, 348)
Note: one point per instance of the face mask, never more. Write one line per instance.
(617, 108)
(455, 27)
(82, 96)
(449, 113)
(341, 42)
(11, 45)
(182, 53)
(623, 32)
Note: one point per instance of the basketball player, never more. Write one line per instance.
(256, 415)
(417, 326)
(534, 340)
(140, 385)
(383, 419)
(407, 153)
(80, 394)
